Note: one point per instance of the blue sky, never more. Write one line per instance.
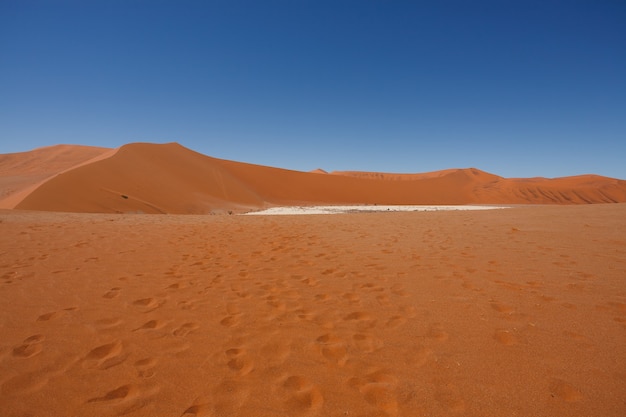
(517, 88)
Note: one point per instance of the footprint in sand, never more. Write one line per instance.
(27, 350)
(332, 348)
(176, 286)
(145, 367)
(311, 282)
(30, 347)
(112, 293)
(105, 356)
(352, 297)
(303, 396)
(304, 314)
(233, 317)
(119, 394)
(151, 325)
(50, 316)
(148, 304)
(368, 286)
(185, 329)
(201, 407)
(230, 321)
(239, 362)
(129, 398)
(378, 389)
(358, 316)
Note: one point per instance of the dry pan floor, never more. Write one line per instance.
(518, 312)
(337, 209)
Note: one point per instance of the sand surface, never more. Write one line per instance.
(23, 172)
(169, 178)
(517, 312)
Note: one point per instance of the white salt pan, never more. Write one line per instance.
(274, 211)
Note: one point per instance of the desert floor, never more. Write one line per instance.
(516, 312)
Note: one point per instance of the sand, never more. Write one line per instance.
(517, 312)
(419, 298)
(169, 178)
(23, 172)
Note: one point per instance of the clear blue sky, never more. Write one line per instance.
(517, 88)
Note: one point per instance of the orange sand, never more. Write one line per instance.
(149, 178)
(518, 312)
(22, 173)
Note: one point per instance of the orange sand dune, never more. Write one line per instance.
(404, 177)
(169, 178)
(517, 312)
(144, 178)
(21, 173)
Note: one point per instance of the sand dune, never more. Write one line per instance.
(401, 177)
(144, 178)
(169, 178)
(21, 173)
(517, 312)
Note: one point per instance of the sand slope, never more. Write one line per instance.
(22, 172)
(144, 178)
(169, 178)
(517, 312)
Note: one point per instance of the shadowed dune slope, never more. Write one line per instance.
(581, 189)
(170, 178)
(23, 171)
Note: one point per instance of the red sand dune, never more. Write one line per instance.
(396, 177)
(170, 178)
(22, 172)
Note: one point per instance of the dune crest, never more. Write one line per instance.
(169, 178)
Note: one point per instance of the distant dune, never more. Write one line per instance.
(170, 178)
